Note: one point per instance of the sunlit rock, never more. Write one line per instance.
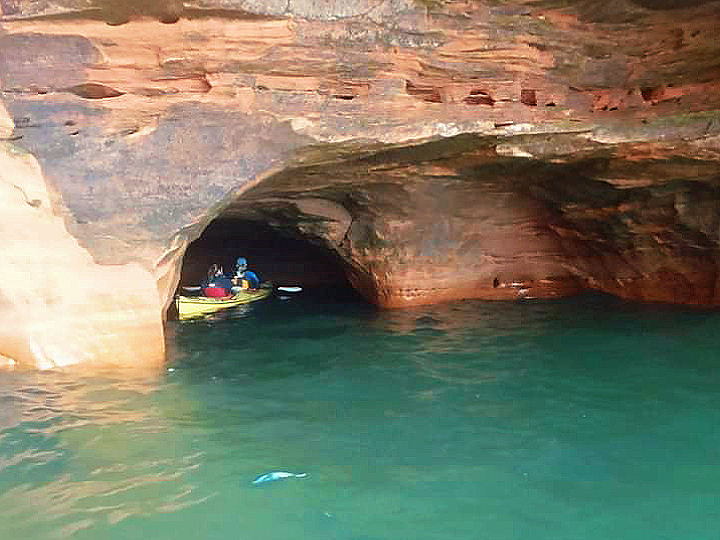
(58, 306)
(6, 123)
(438, 149)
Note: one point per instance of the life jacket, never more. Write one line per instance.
(213, 291)
(242, 281)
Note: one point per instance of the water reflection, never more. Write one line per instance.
(465, 343)
(502, 419)
(81, 451)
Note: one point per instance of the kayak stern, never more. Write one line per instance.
(197, 306)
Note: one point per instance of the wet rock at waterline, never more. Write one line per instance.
(437, 150)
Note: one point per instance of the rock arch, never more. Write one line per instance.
(441, 150)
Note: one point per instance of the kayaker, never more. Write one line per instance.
(244, 278)
(216, 285)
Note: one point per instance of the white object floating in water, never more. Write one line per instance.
(277, 475)
(289, 289)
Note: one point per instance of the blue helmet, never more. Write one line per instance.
(241, 263)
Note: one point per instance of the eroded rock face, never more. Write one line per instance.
(58, 306)
(443, 149)
(452, 219)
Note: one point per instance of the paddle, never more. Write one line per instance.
(283, 289)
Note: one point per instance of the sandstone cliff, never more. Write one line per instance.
(442, 149)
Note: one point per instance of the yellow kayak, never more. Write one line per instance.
(197, 306)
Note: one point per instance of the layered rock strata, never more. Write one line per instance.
(443, 149)
(452, 219)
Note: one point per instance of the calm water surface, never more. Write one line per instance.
(579, 419)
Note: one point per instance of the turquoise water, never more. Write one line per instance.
(579, 419)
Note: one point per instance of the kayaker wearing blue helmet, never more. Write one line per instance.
(244, 278)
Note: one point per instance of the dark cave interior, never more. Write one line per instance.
(282, 259)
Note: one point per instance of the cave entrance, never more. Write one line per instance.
(281, 259)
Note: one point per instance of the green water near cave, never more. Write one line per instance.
(583, 418)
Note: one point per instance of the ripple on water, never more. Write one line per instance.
(472, 420)
(78, 456)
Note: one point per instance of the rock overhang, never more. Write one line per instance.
(369, 128)
(457, 207)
